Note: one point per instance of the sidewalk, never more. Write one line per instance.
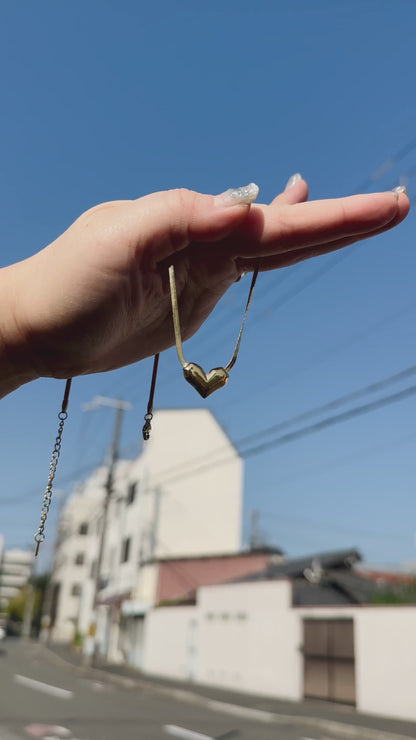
(339, 720)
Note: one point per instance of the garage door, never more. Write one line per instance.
(329, 670)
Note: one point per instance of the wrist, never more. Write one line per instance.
(16, 368)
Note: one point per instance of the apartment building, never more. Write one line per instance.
(181, 497)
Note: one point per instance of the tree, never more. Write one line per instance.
(30, 597)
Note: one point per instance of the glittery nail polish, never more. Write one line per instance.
(237, 196)
(293, 180)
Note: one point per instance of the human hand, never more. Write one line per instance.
(98, 297)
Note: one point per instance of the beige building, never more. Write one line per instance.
(181, 497)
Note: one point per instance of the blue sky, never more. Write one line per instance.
(105, 100)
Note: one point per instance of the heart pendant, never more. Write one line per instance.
(205, 383)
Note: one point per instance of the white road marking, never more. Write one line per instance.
(185, 734)
(248, 712)
(31, 683)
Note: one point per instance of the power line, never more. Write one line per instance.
(387, 165)
(335, 403)
(70, 477)
(333, 526)
(330, 421)
(334, 350)
(298, 434)
(217, 457)
(363, 453)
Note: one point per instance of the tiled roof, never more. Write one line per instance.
(296, 567)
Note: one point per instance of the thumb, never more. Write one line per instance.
(174, 218)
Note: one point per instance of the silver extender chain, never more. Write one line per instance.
(47, 496)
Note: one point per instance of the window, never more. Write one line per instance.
(79, 558)
(131, 492)
(93, 570)
(83, 528)
(76, 589)
(125, 550)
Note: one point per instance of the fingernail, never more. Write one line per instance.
(241, 275)
(399, 189)
(237, 196)
(293, 180)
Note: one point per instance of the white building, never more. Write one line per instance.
(75, 552)
(182, 496)
(15, 571)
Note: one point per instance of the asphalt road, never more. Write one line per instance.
(44, 699)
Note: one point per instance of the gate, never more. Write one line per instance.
(329, 664)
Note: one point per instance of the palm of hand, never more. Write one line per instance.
(102, 295)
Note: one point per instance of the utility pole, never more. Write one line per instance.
(119, 406)
(254, 536)
(28, 610)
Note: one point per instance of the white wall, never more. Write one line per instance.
(241, 636)
(249, 638)
(170, 641)
(147, 583)
(385, 656)
(200, 502)
(385, 645)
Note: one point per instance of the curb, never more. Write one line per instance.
(339, 729)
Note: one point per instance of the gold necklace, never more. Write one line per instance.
(204, 383)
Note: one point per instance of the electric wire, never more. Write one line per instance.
(333, 526)
(330, 421)
(334, 350)
(363, 453)
(257, 449)
(216, 457)
(287, 423)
